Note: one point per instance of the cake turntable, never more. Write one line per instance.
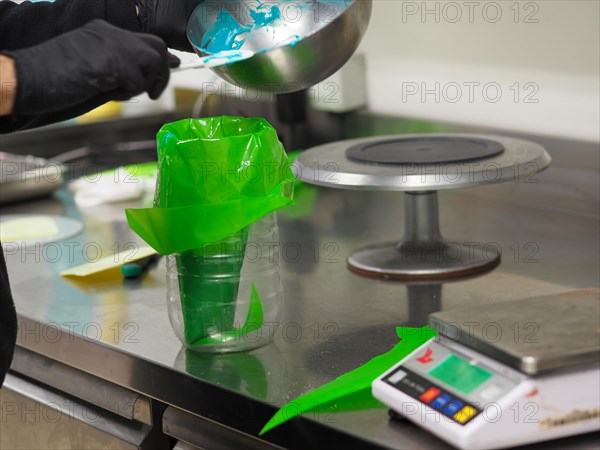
(419, 166)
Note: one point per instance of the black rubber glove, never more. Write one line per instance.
(167, 19)
(95, 62)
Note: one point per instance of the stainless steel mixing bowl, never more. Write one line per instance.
(329, 32)
(24, 177)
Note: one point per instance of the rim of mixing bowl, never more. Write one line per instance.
(348, 4)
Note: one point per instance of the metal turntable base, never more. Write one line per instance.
(420, 165)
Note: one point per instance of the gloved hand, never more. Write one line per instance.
(167, 19)
(92, 64)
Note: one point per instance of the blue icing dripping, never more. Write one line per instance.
(222, 35)
(296, 40)
(264, 19)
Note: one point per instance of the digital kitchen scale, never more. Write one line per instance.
(504, 374)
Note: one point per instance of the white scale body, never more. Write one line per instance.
(474, 401)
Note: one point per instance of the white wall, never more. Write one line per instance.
(517, 65)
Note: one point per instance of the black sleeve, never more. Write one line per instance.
(8, 321)
(28, 24)
(10, 124)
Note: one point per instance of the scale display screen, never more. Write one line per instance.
(459, 374)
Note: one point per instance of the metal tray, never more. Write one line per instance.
(25, 177)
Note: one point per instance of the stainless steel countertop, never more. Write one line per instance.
(334, 320)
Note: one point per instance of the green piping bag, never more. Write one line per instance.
(216, 177)
(253, 322)
(352, 390)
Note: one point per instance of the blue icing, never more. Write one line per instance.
(296, 40)
(264, 19)
(226, 58)
(222, 35)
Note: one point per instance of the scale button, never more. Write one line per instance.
(399, 375)
(465, 414)
(429, 394)
(453, 407)
(491, 392)
(441, 401)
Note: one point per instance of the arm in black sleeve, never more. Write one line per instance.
(8, 321)
(28, 24)
(10, 124)
(82, 69)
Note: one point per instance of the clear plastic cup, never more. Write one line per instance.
(228, 297)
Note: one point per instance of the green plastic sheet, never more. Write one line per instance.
(254, 320)
(208, 286)
(352, 391)
(216, 176)
(305, 196)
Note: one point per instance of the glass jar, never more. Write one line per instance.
(227, 296)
